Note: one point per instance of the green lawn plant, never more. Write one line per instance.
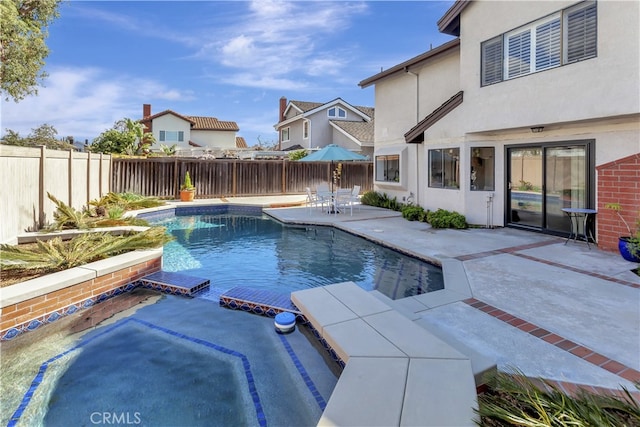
(515, 400)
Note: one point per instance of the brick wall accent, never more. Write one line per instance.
(95, 290)
(618, 182)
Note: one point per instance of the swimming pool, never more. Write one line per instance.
(257, 251)
(172, 361)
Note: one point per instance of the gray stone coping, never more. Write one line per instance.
(397, 372)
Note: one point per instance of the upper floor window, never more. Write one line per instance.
(337, 112)
(561, 38)
(444, 168)
(284, 134)
(305, 129)
(171, 136)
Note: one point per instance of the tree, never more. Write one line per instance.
(43, 135)
(126, 137)
(23, 30)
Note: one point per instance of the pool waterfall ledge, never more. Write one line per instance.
(28, 305)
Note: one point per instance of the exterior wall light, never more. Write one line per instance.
(537, 129)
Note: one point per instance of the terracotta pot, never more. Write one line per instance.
(187, 195)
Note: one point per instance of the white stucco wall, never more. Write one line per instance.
(402, 100)
(214, 138)
(595, 99)
(169, 122)
(605, 86)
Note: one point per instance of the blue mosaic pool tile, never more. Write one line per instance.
(10, 333)
(303, 373)
(269, 303)
(64, 311)
(174, 283)
(53, 317)
(34, 324)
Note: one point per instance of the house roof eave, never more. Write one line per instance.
(404, 66)
(416, 134)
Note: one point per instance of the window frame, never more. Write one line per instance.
(338, 112)
(534, 34)
(475, 153)
(165, 136)
(287, 131)
(386, 159)
(305, 129)
(454, 183)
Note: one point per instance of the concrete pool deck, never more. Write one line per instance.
(558, 311)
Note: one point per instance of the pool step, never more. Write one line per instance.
(258, 301)
(174, 283)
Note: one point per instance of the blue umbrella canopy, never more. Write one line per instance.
(332, 153)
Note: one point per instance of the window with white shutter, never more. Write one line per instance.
(561, 38)
(492, 61)
(581, 32)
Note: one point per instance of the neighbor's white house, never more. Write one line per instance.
(195, 134)
(312, 125)
(532, 107)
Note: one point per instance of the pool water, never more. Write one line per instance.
(258, 252)
(175, 361)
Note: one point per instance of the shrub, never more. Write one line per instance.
(443, 218)
(413, 213)
(371, 198)
(297, 154)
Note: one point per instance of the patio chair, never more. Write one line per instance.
(313, 200)
(343, 200)
(324, 194)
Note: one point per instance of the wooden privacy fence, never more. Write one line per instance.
(161, 177)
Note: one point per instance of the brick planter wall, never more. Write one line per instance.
(618, 182)
(32, 312)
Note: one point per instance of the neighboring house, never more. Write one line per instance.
(313, 125)
(514, 119)
(191, 132)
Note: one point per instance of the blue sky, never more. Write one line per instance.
(227, 59)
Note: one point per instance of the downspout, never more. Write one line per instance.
(417, 195)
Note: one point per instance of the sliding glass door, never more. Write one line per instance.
(544, 179)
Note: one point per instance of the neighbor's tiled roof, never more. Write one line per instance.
(241, 143)
(162, 113)
(362, 131)
(306, 106)
(369, 111)
(197, 122)
(211, 123)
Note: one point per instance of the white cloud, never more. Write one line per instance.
(84, 102)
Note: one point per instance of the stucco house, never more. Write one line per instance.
(191, 133)
(313, 125)
(532, 107)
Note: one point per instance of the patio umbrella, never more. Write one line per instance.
(332, 153)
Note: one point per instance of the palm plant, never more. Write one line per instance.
(56, 255)
(66, 217)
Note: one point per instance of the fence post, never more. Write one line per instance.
(176, 174)
(70, 178)
(41, 189)
(284, 176)
(234, 181)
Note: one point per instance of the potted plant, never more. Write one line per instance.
(629, 246)
(187, 190)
